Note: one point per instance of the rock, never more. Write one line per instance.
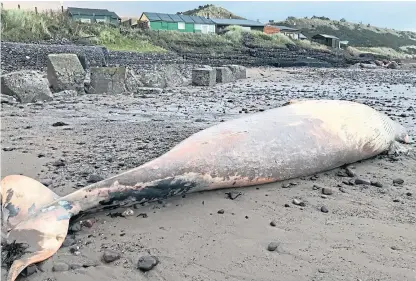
(60, 266)
(147, 263)
(27, 86)
(29, 270)
(224, 75)
(8, 148)
(298, 202)
(132, 81)
(65, 72)
(7, 99)
(398, 181)
(110, 256)
(87, 223)
(349, 172)
(239, 72)
(128, 213)
(362, 181)
(273, 223)
(94, 178)
(68, 242)
(107, 80)
(327, 191)
(221, 211)
(376, 184)
(272, 246)
(204, 77)
(324, 209)
(148, 91)
(46, 182)
(378, 63)
(58, 163)
(59, 124)
(392, 65)
(75, 227)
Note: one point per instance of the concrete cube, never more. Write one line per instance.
(224, 75)
(238, 71)
(107, 80)
(204, 77)
(65, 72)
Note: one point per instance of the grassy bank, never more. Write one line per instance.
(27, 26)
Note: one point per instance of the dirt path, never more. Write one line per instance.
(368, 233)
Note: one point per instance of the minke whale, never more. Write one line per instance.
(301, 138)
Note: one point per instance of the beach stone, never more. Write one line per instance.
(398, 181)
(393, 65)
(327, 191)
(107, 80)
(224, 75)
(60, 266)
(204, 77)
(26, 86)
(146, 263)
(148, 91)
(239, 71)
(65, 72)
(272, 246)
(110, 256)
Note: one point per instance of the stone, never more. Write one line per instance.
(65, 72)
(132, 81)
(60, 266)
(327, 191)
(224, 75)
(398, 181)
(143, 91)
(393, 65)
(204, 77)
(110, 256)
(26, 86)
(107, 80)
(7, 99)
(324, 209)
(146, 263)
(94, 178)
(239, 71)
(272, 246)
(362, 181)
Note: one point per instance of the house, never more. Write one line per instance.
(129, 21)
(343, 44)
(293, 33)
(177, 22)
(302, 37)
(328, 40)
(221, 24)
(93, 15)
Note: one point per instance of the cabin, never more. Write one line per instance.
(177, 22)
(93, 15)
(328, 40)
(290, 32)
(222, 24)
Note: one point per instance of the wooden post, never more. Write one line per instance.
(62, 9)
(18, 6)
(36, 10)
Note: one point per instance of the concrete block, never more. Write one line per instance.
(107, 80)
(204, 77)
(238, 71)
(224, 75)
(65, 72)
(26, 86)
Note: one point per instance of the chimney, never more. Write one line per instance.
(208, 15)
(231, 16)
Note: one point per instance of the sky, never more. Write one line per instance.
(393, 14)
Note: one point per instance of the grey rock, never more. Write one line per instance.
(110, 256)
(107, 80)
(26, 86)
(68, 242)
(204, 77)
(324, 209)
(376, 184)
(65, 72)
(272, 246)
(239, 71)
(398, 181)
(327, 191)
(393, 65)
(94, 178)
(147, 263)
(362, 181)
(7, 99)
(224, 75)
(46, 182)
(148, 91)
(60, 266)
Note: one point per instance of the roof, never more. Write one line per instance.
(177, 18)
(237, 22)
(325, 36)
(302, 36)
(344, 42)
(285, 28)
(90, 12)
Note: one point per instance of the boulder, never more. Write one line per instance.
(378, 63)
(143, 91)
(65, 72)
(107, 80)
(393, 65)
(26, 86)
(238, 71)
(204, 77)
(132, 81)
(224, 75)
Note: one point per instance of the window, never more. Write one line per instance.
(85, 20)
(181, 25)
(197, 26)
(100, 20)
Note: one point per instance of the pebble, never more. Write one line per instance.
(46, 182)
(324, 209)
(376, 184)
(60, 266)
(94, 178)
(68, 242)
(87, 223)
(350, 172)
(221, 211)
(8, 148)
(362, 181)
(29, 270)
(110, 256)
(59, 124)
(327, 191)
(128, 213)
(398, 181)
(273, 223)
(272, 246)
(75, 227)
(58, 163)
(298, 202)
(146, 263)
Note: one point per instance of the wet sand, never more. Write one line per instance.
(368, 233)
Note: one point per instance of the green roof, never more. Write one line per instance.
(177, 18)
(92, 12)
